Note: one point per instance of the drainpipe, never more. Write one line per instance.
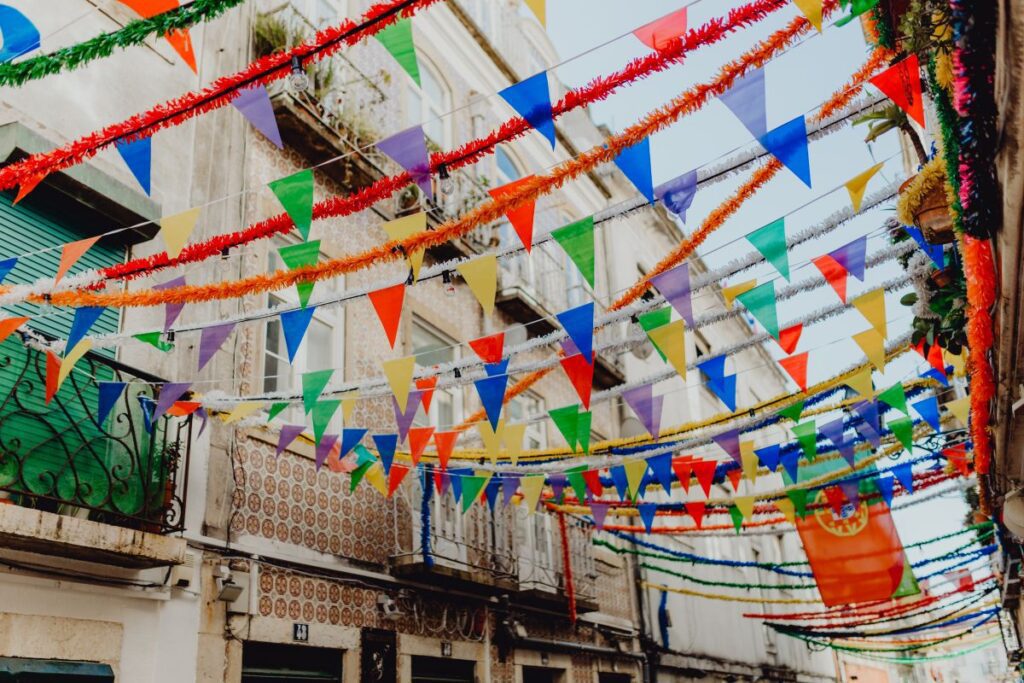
(647, 648)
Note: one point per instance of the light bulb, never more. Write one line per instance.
(447, 182)
(298, 79)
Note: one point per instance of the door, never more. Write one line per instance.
(442, 670)
(276, 663)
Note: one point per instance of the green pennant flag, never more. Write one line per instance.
(583, 421)
(397, 39)
(323, 411)
(807, 434)
(471, 487)
(908, 584)
(857, 8)
(737, 517)
(275, 410)
(794, 411)
(358, 474)
(313, 384)
(295, 192)
(771, 242)
(576, 481)
(155, 339)
(578, 241)
(760, 301)
(364, 455)
(903, 428)
(895, 398)
(799, 499)
(653, 320)
(299, 256)
(567, 421)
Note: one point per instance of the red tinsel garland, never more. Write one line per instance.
(32, 169)
(597, 90)
(570, 586)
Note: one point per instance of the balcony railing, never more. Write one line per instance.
(58, 458)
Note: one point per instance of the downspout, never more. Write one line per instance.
(647, 647)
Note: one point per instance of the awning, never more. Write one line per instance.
(11, 668)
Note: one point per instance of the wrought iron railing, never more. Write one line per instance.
(57, 457)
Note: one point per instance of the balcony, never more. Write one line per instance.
(108, 493)
(541, 569)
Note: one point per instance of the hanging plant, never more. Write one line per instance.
(889, 118)
(924, 201)
(939, 302)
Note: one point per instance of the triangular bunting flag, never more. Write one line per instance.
(696, 509)
(566, 420)
(796, 367)
(85, 318)
(760, 301)
(793, 412)
(138, 157)
(492, 396)
(242, 410)
(861, 383)
(593, 480)
(539, 9)
(869, 429)
(6, 266)
(731, 292)
(834, 431)
(287, 434)
(575, 477)
(509, 486)
(901, 83)
(934, 251)
(513, 440)
(399, 375)
(791, 464)
(71, 358)
(321, 416)
(856, 186)
(745, 505)
(294, 325)
(19, 33)
(647, 407)
(873, 346)
(746, 99)
(395, 477)
(903, 428)
(419, 437)
(531, 99)
(812, 10)
(730, 443)
(635, 471)
(872, 306)
(895, 398)
(403, 228)
(704, 471)
(531, 486)
(961, 409)
(725, 390)
(69, 255)
(577, 239)
(670, 340)
(108, 394)
(171, 310)
(750, 461)
(492, 438)
(350, 438)
(444, 442)
(408, 148)
(678, 194)
(788, 143)
(798, 497)
(599, 511)
(426, 385)
(957, 457)
(386, 445)
(635, 163)
(481, 274)
(674, 285)
(489, 349)
(904, 475)
(579, 325)
(735, 474)
(387, 303)
(324, 448)
(661, 32)
(647, 512)
(661, 466)
(295, 192)
(210, 341)
(155, 340)
(404, 418)
(580, 372)
(169, 394)
(397, 39)
(806, 434)
(175, 230)
(313, 384)
(300, 256)
(785, 506)
(928, 409)
(769, 456)
(885, 484)
(790, 337)
(737, 517)
(834, 274)
(852, 257)
(770, 240)
(683, 467)
(521, 217)
(254, 104)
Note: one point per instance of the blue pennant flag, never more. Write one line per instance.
(532, 100)
(678, 193)
(725, 389)
(85, 317)
(934, 251)
(492, 490)
(769, 456)
(788, 143)
(885, 485)
(928, 409)
(790, 463)
(148, 405)
(109, 392)
(456, 481)
(138, 156)
(647, 512)
(835, 431)
(620, 481)
(635, 164)
(713, 368)
(904, 474)
(497, 369)
(349, 439)
(6, 266)
(294, 325)
(746, 99)
(661, 466)
(386, 444)
(579, 325)
(940, 377)
(19, 33)
(492, 396)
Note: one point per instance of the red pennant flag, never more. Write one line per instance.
(419, 437)
(901, 83)
(52, 373)
(696, 510)
(790, 337)
(683, 467)
(520, 217)
(957, 457)
(735, 474)
(426, 386)
(27, 185)
(395, 477)
(936, 360)
(9, 325)
(593, 480)
(796, 367)
(581, 374)
(834, 273)
(445, 442)
(658, 34)
(183, 408)
(388, 304)
(836, 500)
(704, 470)
(490, 349)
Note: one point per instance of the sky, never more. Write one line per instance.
(796, 83)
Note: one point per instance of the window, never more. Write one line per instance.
(526, 407)
(429, 104)
(430, 348)
(322, 13)
(575, 287)
(321, 349)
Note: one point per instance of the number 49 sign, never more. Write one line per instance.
(300, 633)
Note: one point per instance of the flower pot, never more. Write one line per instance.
(942, 278)
(934, 218)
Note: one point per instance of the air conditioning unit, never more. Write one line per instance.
(184, 575)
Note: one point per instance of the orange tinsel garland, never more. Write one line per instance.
(980, 274)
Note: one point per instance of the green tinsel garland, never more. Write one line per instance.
(729, 584)
(135, 33)
(948, 126)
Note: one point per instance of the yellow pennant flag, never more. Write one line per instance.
(959, 362)
(406, 226)
(399, 374)
(635, 471)
(730, 293)
(750, 460)
(375, 475)
(539, 8)
(348, 404)
(745, 505)
(72, 357)
(861, 383)
(513, 439)
(531, 486)
(873, 346)
(241, 410)
(787, 509)
(177, 229)
(961, 409)
(671, 341)
(812, 10)
(872, 307)
(491, 438)
(481, 274)
(859, 183)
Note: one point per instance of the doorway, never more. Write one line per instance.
(442, 670)
(275, 663)
(541, 674)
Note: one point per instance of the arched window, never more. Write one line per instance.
(429, 104)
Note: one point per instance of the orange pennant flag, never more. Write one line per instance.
(734, 478)
(9, 325)
(522, 216)
(790, 337)
(445, 443)
(27, 186)
(834, 273)
(419, 437)
(796, 367)
(180, 39)
(426, 387)
(388, 304)
(70, 254)
(901, 83)
(52, 374)
(395, 477)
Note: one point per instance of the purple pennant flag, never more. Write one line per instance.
(169, 393)
(868, 428)
(851, 489)
(730, 443)
(834, 432)
(205, 417)
(409, 150)
(323, 449)
(674, 285)
(171, 311)
(557, 482)
(747, 101)
(288, 434)
(599, 511)
(646, 406)
(211, 340)
(509, 486)
(678, 194)
(404, 420)
(851, 257)
(109, 392)
(254, 103)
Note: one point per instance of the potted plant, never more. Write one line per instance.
(924, 202)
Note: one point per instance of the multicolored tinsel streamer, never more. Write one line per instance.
(570, 586)
(426, 479)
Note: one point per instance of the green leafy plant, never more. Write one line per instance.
(889, 118)
(946, 298)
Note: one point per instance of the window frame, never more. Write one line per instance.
(420, 110)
